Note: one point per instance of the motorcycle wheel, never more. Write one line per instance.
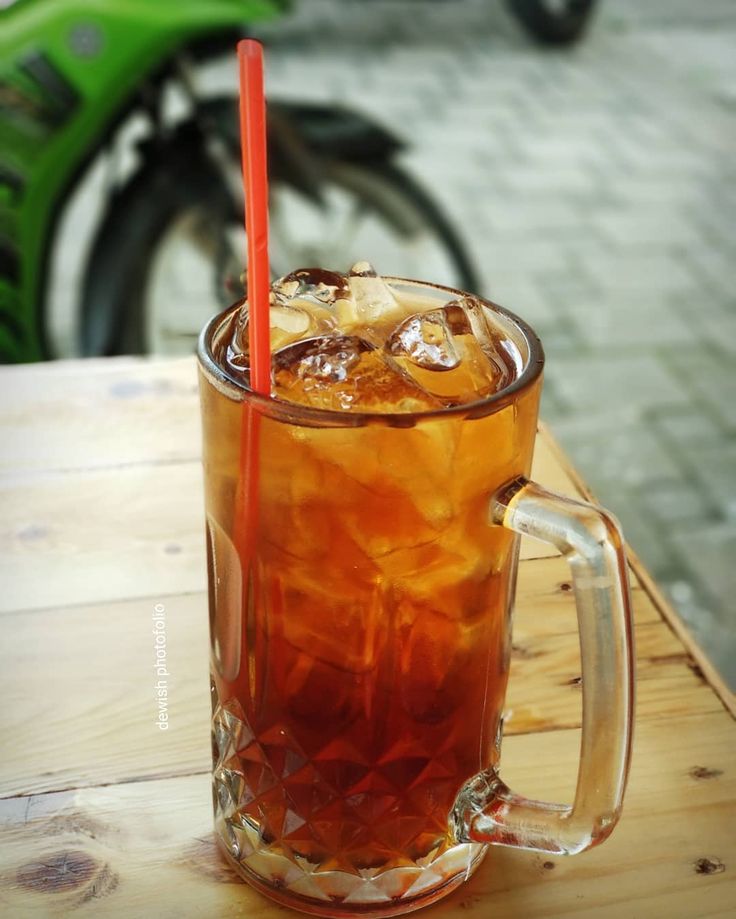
(553, 22)
(170, 253)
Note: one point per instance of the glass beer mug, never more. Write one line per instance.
(361, 578)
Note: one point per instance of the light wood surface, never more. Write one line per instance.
(101, 814)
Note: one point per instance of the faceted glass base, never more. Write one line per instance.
(376, 905)
(293, 836)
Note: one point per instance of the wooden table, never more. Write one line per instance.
(103, 814)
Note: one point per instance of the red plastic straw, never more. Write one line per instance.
(255, 180)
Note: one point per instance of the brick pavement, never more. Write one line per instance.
(595, 191)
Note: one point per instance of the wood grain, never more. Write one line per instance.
(110, 412)
(545, 603)
(103, 814)
(116, 851)
(86, 537)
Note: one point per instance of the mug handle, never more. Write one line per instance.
(486, 810)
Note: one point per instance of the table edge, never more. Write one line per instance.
(661, 603)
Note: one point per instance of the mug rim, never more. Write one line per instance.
(297, 413)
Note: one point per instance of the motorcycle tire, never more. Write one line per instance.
(113, 291)
(553, 23)
(177, 179)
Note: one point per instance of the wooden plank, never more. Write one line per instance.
(545, 692)
(101, 508)
(545, 603)
(119, 849)
(91, 536)
(558, 459)
(648, 867)
(84, 418)
(79, 698)
(98, 413)
(104, 534)
(89, 415)
(110, 533)
(97, 660)
(72, 415)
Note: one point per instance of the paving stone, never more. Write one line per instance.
(713, 466)
(526, 263)
(676, 501)
(719, 331)
(666, 226)
(601, 383)
(640, 530)
(537, 217)
(710, 554)
(637, 191)
(629, 322)
(711, 267)
(711, 624)
(518, 293)
(705, 372)
(576, 182)
(636, 269)
(611, 452)
(683, 427)
(553, 408)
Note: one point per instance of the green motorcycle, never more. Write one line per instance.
(164, 248)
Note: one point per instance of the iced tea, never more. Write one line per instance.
(358, 595)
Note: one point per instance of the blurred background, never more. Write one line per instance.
(587, 187)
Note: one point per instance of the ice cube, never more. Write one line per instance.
(326, 359)
(372, 302)
(363, 270)
(317, 371)
(452, 352)
(343, 372)
(288, 323)
(236, 354)
(317, 285)
(426, 340)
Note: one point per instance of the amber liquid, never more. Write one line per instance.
(359, 623)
